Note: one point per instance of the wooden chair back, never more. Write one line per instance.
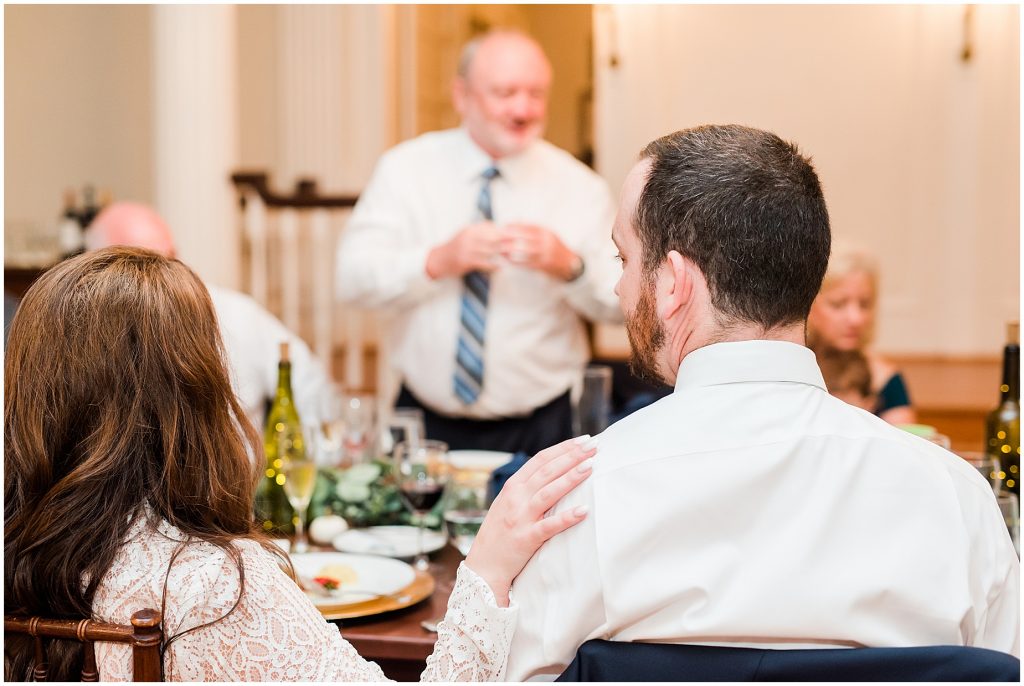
(144, 634)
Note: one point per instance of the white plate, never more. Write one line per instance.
(478, 460)
(374, 575)
(391, 541)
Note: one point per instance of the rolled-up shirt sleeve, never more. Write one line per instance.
(380, 261)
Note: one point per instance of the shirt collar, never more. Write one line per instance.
(473, 161)
(745, 361)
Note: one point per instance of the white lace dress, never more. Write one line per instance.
(275, 634)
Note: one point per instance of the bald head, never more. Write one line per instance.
(130, 223)
(497, 44)
(502, 91)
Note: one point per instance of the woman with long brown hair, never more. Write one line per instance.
(128, 484)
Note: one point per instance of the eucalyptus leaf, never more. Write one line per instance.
(353, 492)
(346, 492)
(363, 473)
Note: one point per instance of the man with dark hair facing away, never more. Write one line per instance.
(750, 507)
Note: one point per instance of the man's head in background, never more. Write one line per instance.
(130, 223)
(501, 91)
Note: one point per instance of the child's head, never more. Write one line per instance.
(847, 376)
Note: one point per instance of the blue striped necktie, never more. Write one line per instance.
(469, 357)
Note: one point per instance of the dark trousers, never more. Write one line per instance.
(540, 429)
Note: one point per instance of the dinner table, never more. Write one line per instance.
(396, 640)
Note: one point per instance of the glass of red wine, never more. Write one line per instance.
(421, 471)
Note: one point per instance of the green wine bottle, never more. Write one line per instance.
(281, 438)
(1002, 426)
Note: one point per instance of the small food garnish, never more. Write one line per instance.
(327, 582)
(341, 575)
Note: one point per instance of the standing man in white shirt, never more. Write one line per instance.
(487, 245)
(750, 507)
(251, 334)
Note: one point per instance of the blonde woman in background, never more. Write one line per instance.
(842, 318)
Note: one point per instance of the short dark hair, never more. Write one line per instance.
(748, 209)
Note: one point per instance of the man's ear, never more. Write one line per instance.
(675, 284)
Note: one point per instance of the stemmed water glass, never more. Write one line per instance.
(299, 480)
(465, 507)
(358, 439)
(421, 471)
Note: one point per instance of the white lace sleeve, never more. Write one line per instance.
(275, 633)
(474, 638)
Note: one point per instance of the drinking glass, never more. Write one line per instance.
(358, 437)
(986, 465)
(941, 440)
(594, 407)
(330, 425)
(421, 471)
(465, 507)
(299, 480)
(404, 425)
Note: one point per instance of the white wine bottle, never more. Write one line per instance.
(1002, 426)
(282, 438)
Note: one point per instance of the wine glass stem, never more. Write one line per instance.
(301, 544)
(421, 558)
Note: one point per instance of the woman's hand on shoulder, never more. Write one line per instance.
(515, 527)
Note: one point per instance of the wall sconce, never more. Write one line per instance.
(611, 31)
(968, 49)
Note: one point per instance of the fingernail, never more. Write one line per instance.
(580, 440)
(592, 443)
(580, 510)
(585, 466)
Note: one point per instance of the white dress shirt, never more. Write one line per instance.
(421, 194)
(752, 508)
(252, 337)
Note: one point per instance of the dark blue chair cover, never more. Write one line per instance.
(502, 474)
(619, 661)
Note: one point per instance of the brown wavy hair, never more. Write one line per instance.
(117, 398)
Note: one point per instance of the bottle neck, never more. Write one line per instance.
(284, 379)
(1010, 388)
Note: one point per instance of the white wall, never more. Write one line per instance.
(77, 107)
(917, 150)
(294, 90)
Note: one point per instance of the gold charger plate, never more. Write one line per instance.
(420, 588)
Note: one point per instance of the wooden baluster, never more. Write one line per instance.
(256, 233)
(41, 667)
(89, 671)
(289, 233)
(354, 348)
(146, 659)
(323, 281)
(353, 320)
